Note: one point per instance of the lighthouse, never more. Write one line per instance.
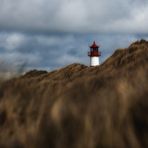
(94, 54)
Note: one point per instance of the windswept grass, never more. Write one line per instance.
(78, 106)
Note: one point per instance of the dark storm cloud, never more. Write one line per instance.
(47, 34)
(39, 51)
(53, 51)
(74, 15)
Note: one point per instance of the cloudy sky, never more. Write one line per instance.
(48, 34)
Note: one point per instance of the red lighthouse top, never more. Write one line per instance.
(94, 50)
(94, 45)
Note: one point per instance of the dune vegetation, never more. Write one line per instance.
(79, 106)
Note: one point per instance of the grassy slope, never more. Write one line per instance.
(79, 106)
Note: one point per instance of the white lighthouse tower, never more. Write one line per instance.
(94, 54)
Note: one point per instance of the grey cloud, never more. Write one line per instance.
(74, 15)
(12, 41)
(36, 51)
(48, 34)
(53, 51)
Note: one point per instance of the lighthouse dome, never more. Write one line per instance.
(94, 45)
